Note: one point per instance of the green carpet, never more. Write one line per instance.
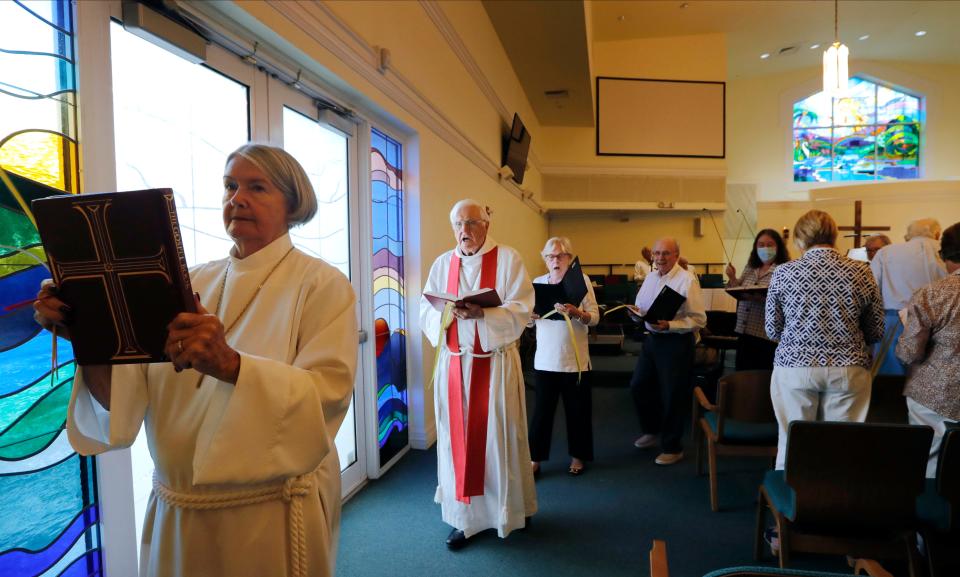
(601, 523)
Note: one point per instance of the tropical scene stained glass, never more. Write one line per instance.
(49, 512)
(870, 133)
(386, 183)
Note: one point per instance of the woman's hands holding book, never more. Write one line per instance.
(196, 341)
(49, 311)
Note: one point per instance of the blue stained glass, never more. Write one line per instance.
(870, 133)
(24, 562)
(386, 178)
(49, 516)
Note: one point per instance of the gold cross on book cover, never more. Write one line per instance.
(118, 261)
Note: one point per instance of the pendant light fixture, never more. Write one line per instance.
(835, 60)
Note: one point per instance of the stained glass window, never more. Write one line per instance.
(871, 133)
(49, 512)
(386, 181)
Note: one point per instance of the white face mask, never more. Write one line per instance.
(766, 253)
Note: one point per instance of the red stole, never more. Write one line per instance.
(469, 447)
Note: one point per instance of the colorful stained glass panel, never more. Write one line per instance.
(812, 154)
(49, 515)
(871, 133)
(386, 182)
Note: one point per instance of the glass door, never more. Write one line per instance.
(327, 153)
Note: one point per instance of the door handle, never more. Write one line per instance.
(363, 336)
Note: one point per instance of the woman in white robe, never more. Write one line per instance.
(509, 495)
(241, 424)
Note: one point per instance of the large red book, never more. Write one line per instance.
(118, 260)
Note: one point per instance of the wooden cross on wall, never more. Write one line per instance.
(858, 227)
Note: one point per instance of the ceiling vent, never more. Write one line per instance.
(556, 94)
(786, 51)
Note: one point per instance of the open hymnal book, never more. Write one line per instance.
(485, 298)
(738, 292)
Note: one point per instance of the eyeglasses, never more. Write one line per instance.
(461, 224)
(549, 257)
(657, 253)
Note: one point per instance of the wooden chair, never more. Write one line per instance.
(848, 488)
(939, 509)
(742, 422)
(659, 568)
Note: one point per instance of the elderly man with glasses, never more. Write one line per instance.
(661, 383)
(483, 457)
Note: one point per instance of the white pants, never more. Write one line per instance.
(817, 394)
(920, 415)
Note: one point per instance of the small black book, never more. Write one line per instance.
(117, 259)
(665, 306)
(572, 288)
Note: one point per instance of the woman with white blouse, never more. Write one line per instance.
(556, 367)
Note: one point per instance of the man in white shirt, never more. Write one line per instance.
(661, 383)
(900, 270)
(642, 267)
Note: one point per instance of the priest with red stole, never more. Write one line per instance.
(483, 457)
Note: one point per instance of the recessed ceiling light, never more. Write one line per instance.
(864, 37)
(814, 46)
(920, 33)
(765, 55)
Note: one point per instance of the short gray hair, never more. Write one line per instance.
(928, 227)
(468, 202)
(561, 241)
(285, 173)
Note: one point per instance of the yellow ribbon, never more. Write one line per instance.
(616, 308)
(446, 318)
(16, 195)
(573, 339)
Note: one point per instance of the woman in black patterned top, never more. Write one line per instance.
(754, 350)
(824, 309)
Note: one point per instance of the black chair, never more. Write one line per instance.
(939, 509)
(849, 489)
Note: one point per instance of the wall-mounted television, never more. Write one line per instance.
(515, 149)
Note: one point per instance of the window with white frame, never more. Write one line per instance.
(870, 133)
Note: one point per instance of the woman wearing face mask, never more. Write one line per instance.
(754, 349)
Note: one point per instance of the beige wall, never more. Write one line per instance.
(701, 57)
(892, 204)
(760, 123)
(609, 239)
(435, 95)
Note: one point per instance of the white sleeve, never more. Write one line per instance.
(501, 326)
(93, 429)
(429, 316)
(281, 419)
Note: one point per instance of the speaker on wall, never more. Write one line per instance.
(698, 227)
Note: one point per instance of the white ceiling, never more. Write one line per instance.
(546, 42)
(753, 27)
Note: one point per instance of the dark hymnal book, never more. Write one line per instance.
(738, 292)
(117, 258)
(571, 289)
(665, 306)
(485, 298)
